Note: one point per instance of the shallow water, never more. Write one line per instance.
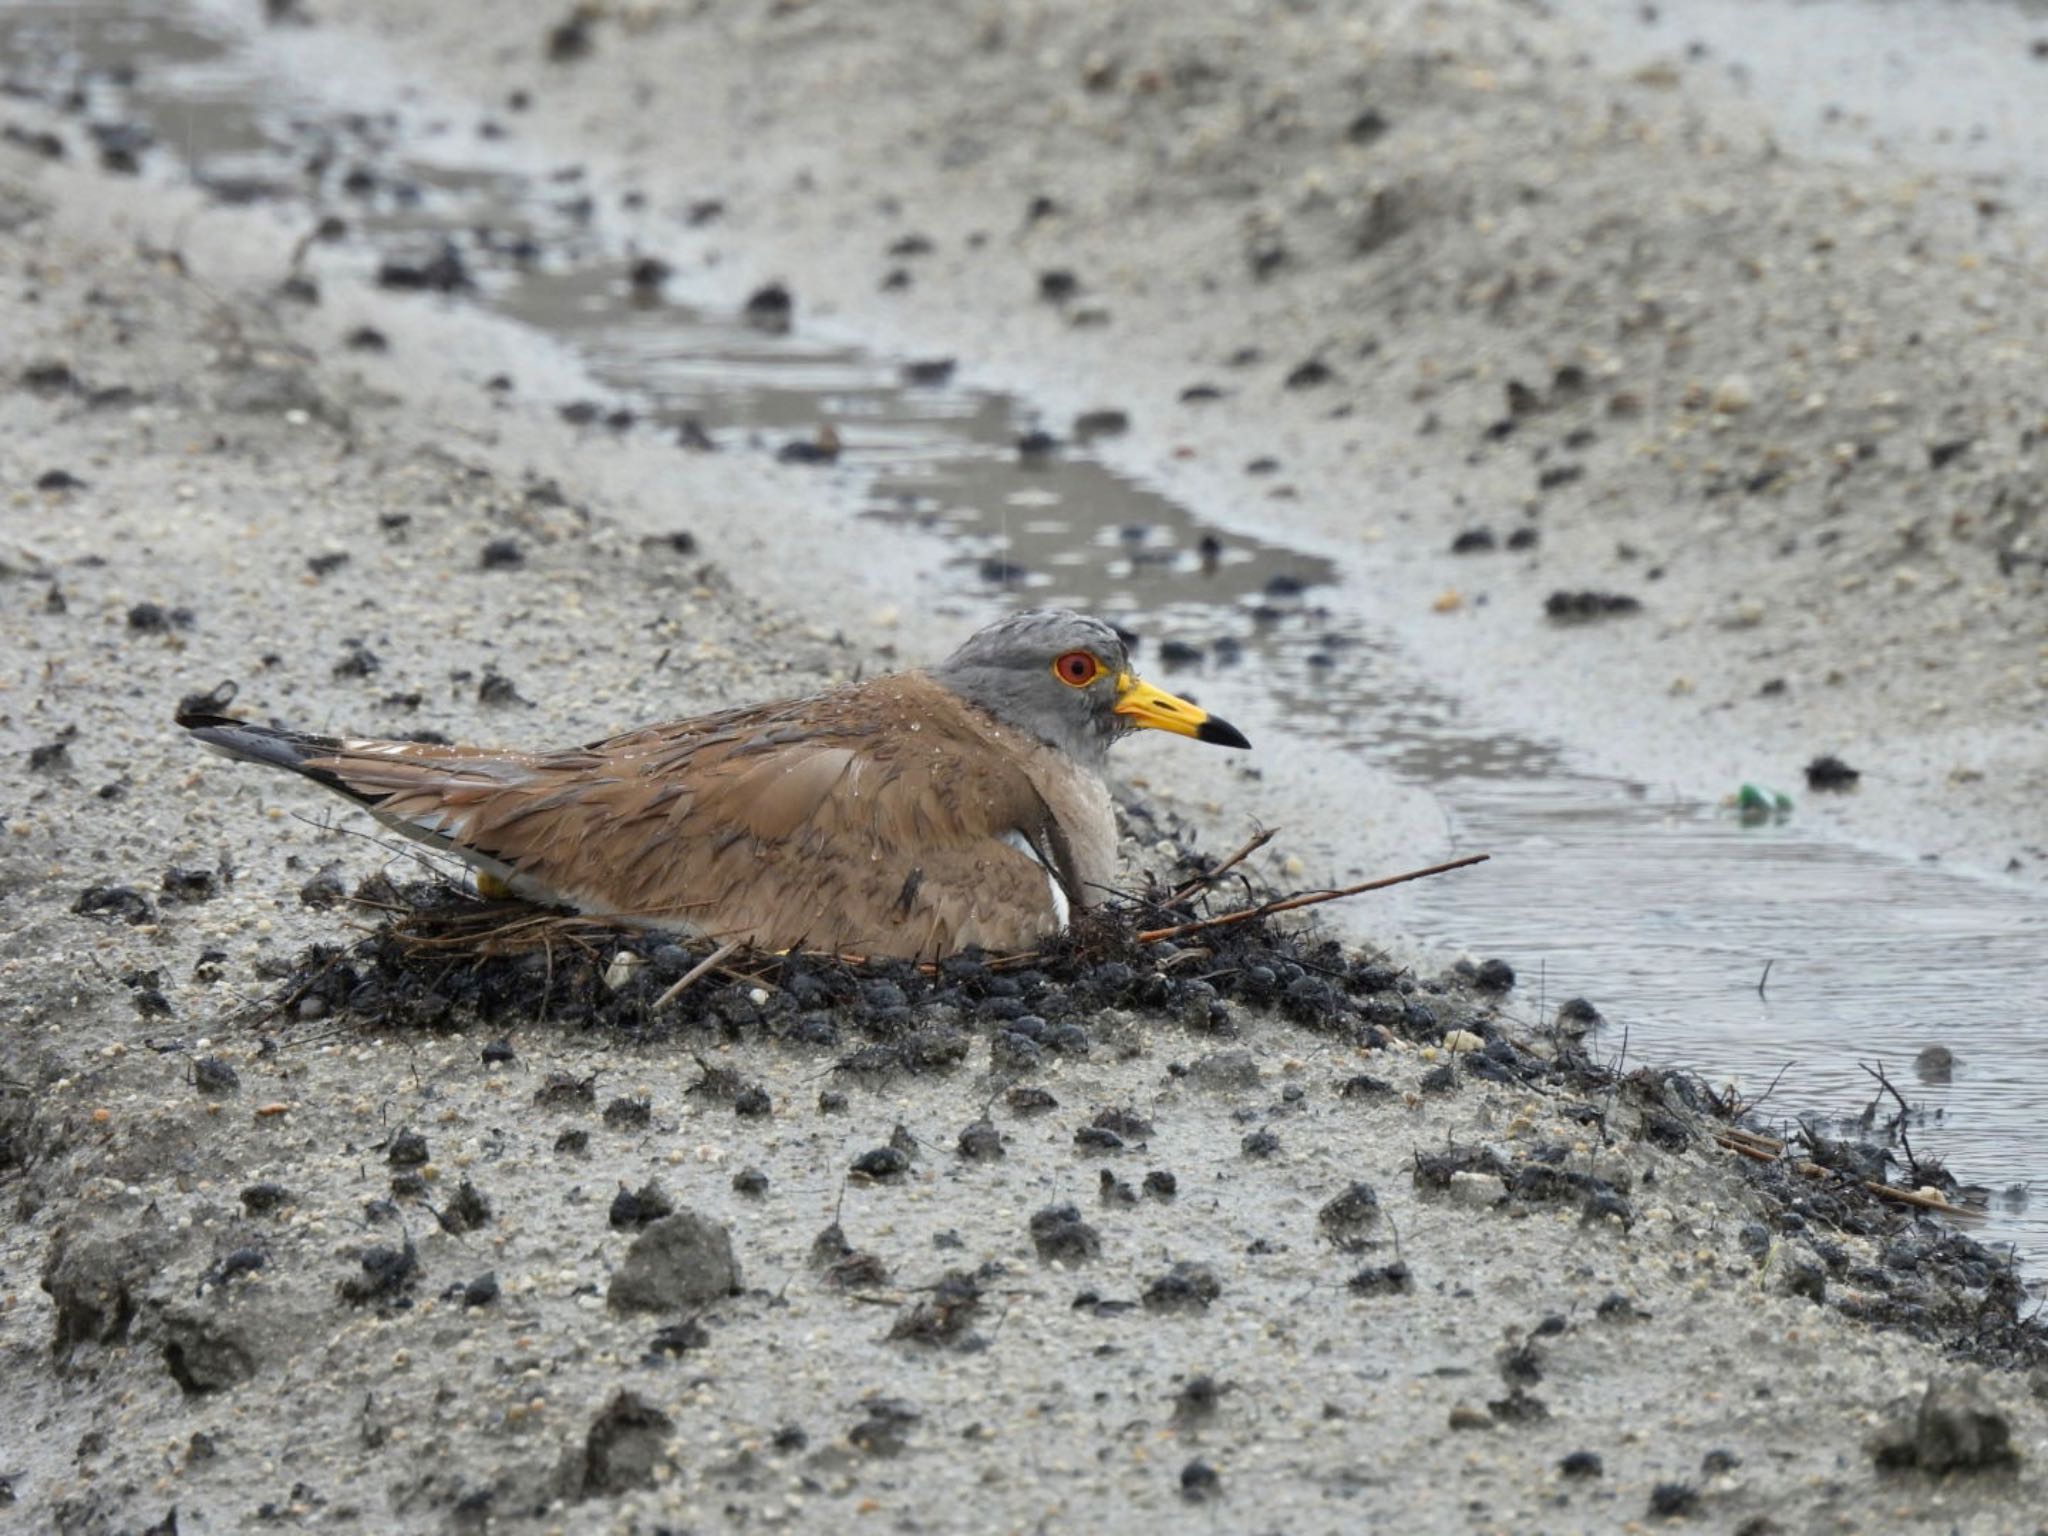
(1664, 911)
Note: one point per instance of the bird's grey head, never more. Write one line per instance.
(1066, 679)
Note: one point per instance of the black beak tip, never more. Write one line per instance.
(1220, 733)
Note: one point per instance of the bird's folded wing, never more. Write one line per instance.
(827, 823)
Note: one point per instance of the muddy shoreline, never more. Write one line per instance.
(1292, 1235)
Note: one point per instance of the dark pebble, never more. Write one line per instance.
(1030, 1101)
(261, 1199)
(1474, 541)
(1580, 607)
(886, 1430)
(1581, 1464)
(443, 272)
(678, 1339)
(502, 555)
(1439, 1080)
(497, 689)
(36, 141)
(1260, 1144)
(565, 1092)
(1669, 1501)
(190, 884)
(751, 1182)
(1828, 772)
(981, 1142)
(823, 449)
(408, 1149)
(1367, 127)
(155, 619)
(632, 1208)
(114, 901)
(772, 308)
(1309, 374)
(1011, 1051)
(1346, 1218)
(569, 39)
(1090, 425)
(49, 378)
(121, 146)
(1494, 976)
(1161, 1185)
(467, 1209)
(624, 1114)
(358, 661)
(1365, 1086)
(1058, 285)
(213, 1077)
(882, 1163)
(1576, 1014)
(1199, 1482)
(1061, 1236)
(929, 373)
(1184, 1288)
(1126, 1123)
(1393, 1279)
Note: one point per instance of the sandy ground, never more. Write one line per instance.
(174, 1335)
(1452, 277)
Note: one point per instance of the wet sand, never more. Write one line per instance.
(241, 1272)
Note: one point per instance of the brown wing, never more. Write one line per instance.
(871, 819)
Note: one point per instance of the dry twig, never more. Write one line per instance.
(1202, 882)
(1768, 1149)
(709, 963)
(1305, 899)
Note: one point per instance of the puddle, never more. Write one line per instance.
(1663, 912)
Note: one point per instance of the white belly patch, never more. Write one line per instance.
(1061, 910)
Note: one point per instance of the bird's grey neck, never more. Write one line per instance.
(999, 692)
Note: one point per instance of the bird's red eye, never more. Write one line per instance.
(1077, 669)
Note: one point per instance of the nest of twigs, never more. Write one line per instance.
(439, 955)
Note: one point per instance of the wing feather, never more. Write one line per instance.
(826, 821)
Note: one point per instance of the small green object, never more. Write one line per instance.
(1754, 803)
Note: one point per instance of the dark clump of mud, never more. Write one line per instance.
(446, 959)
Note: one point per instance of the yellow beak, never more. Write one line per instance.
(1154, 709)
